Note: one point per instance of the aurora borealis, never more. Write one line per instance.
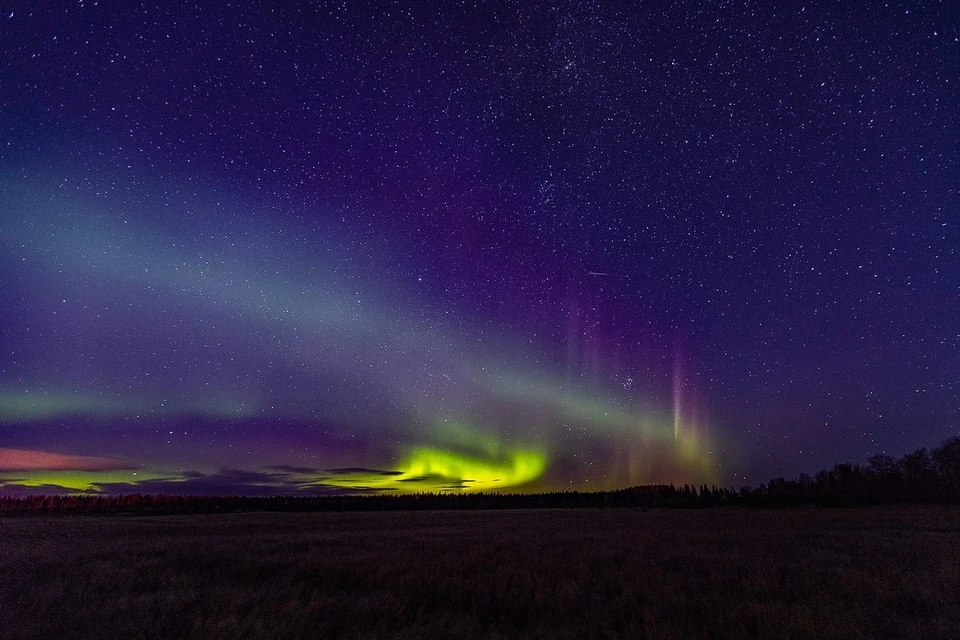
(325, 248)
(306, 352)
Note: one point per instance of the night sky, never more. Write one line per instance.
(315, 247)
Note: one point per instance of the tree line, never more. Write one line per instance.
(921, 477)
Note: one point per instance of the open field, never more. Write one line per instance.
(891, 572)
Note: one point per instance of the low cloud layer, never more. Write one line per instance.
(270, 482)
(15, 489)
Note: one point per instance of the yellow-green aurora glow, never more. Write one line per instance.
(428, 469)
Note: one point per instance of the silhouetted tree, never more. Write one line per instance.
(946, 460)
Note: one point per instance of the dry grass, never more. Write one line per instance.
(810, 573)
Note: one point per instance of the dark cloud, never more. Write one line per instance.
(439, 482)
(270, 481)
(286, 468)
(17, 490)
(351, 470)
(234, 482)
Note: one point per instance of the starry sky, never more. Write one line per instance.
(328, 247)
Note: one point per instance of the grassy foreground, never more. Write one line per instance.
(885, 572)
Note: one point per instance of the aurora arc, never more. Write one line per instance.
(328, 327)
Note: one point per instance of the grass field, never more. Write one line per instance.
(736, 573)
